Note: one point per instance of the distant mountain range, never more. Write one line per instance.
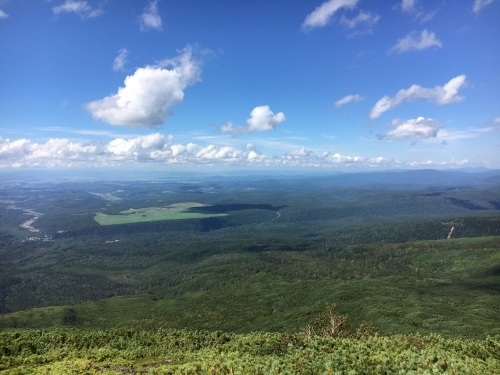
(419, 177)
(455, 177)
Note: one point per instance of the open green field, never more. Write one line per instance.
(176, 211)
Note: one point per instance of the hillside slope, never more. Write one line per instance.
(449, 287)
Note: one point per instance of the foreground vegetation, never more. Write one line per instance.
(167, 351)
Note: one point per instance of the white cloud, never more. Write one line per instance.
(155, 150)
(3, 15)
(363, 22)
(338, 158)
(150, 19)
(497, 120)
(322, 15)
(468, 133)
(441, 95)
(13, 149)
(479, 5)
(148, 94)
(79, 7)
(416, 42)
(408, 6)
(436, 164)
(98, 133)
(414, 129)
(143, 150)
(426, 17)
(218, 153)
(120, 59)
(349, 99)
(53, 153)
(453, 135)
(261, 119)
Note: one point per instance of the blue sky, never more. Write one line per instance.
(270, 84)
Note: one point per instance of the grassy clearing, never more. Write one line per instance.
(177, 211)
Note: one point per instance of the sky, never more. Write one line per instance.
(337, 85)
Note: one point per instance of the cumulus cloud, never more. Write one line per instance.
(261, 119)
(416, 42)
(363, 22)
(55, 152)
(154, 150)
(322, 15)
(79, 7)
(140, 148)
(150, 19)
(3, 15)
(120, 59)
(14, 149)
(349, 99)
(147, 95)
(414, 129)
(441, 95)
(338, 158)
(479, 5)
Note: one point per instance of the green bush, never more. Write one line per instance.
(201, 352)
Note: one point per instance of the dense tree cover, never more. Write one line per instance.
(447, 286)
